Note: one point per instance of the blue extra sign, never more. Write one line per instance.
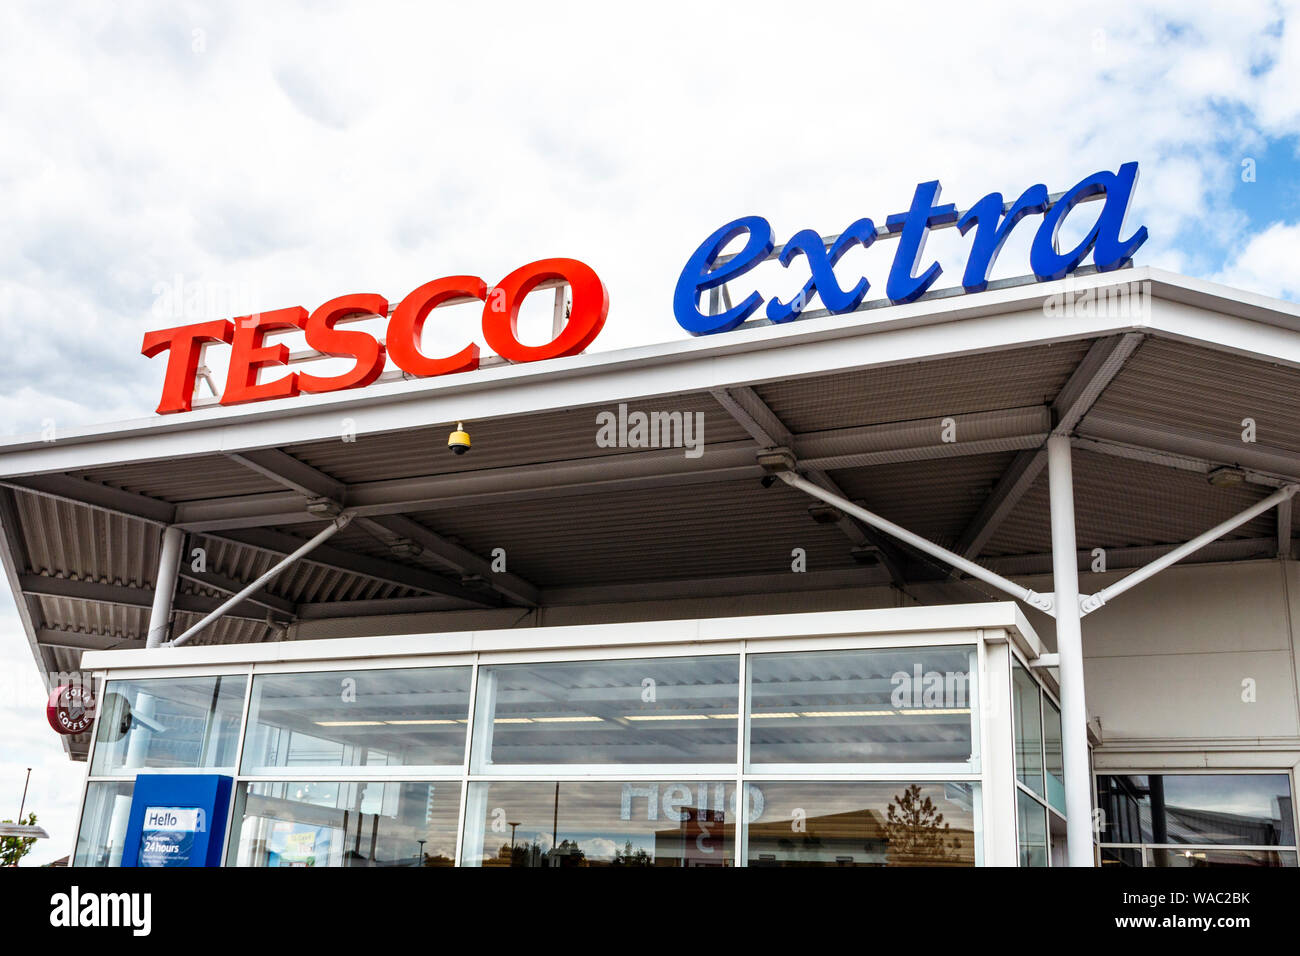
(177, 820)
(992, 220)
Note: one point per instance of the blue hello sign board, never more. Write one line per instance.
(991, 219)
(177, 820)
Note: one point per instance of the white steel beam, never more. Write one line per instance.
(1098, 368)
(325, 610)
(94, 494)
(389, 572)
(1038, 601)
(1118, 559)
(1011, 487)
(333, 528)
(666, 467)
(1094, 601)
(753, 414)
(1284, 529)
(40, 585)
(228, 585)
(296, 475)
(1272, 462)
(459, 559)
(169, 561)
(1069, 649)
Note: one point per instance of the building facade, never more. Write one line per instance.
(823, 627)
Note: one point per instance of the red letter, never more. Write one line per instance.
(324, 338)
(586, 318)
(404, 328)
(248, 354)
(183, 363)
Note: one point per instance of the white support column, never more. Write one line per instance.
(169, 562)
(1069, 647)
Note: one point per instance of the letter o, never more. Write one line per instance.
(586, 318)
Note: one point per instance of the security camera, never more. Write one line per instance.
(458, 441)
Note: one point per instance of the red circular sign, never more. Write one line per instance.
(71, 709)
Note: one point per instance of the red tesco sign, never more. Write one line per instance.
(249, 353)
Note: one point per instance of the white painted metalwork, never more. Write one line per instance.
(1040, 601)
(319, 538)
(1094, 601)
(169, 561)
(1069, 649)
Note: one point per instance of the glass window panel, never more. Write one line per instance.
(676, 710)
(103, 824)
(1209, 856)
(1245, 809)
(345, 823)
(1121, 856)
(1053, 754)
(584, 823)
(820, 823)
(170, 723)
(894, 705)
(415, 717)
(1032, 816)
(1025, 703)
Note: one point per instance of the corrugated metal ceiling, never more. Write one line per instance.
(674, 532)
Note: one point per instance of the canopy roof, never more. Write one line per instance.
(1154, 397)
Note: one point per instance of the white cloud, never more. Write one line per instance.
(1267, 263)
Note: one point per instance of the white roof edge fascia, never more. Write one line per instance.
(915, 620)
(884, 336)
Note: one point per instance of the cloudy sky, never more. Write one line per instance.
(229, 156)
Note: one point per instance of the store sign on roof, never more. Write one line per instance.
(253, 362)
(250, 355)
(992, 219)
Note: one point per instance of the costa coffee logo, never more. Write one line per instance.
(249, 354)
(71, 709)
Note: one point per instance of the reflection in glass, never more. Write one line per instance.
(681, 710)
(1025, 702)
(103, 823)
(585, 823)
(345, 823)
(1237, 809)
(1054, 760)
(1121, 856)
(821, 823)
(904, 705)
(175, 723)
(1209, 856)
(365, 718)
(1032, 818)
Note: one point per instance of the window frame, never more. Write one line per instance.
(1146, 848)
(737, 771)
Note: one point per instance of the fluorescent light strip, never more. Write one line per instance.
(569, 720)
(349, 723)
(404, 723)
(666, 716)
